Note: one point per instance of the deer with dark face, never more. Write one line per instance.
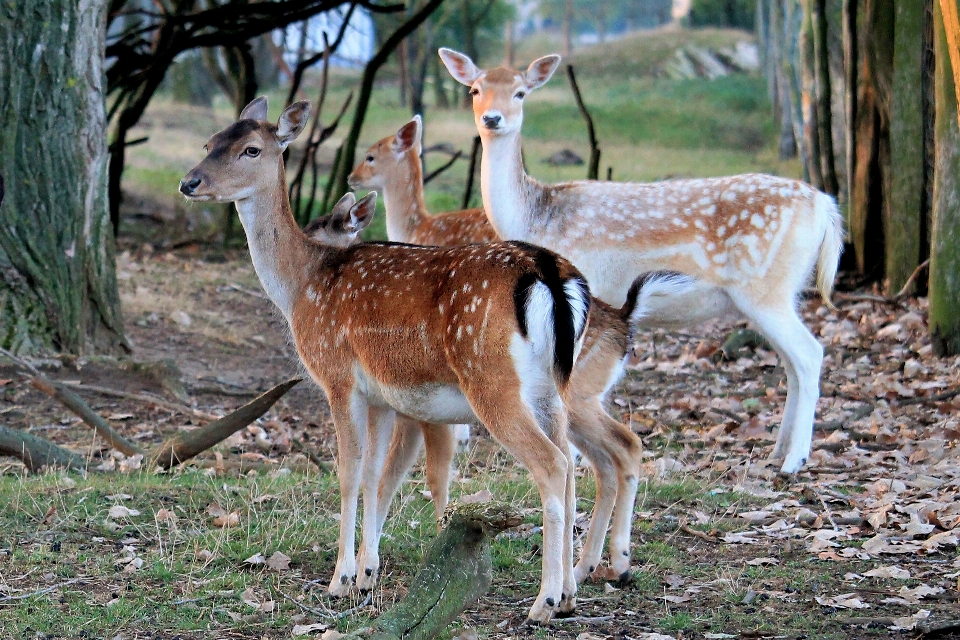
(392, 166)
(441, 334)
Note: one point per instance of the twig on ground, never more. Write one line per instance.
(582, 620)
(324, 465)
(698, 534)
(74, 403)
(857, 414)
(938, 397)
(908, 285)
(143, 397)
(5, 599)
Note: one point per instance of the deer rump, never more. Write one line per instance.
(422, 339)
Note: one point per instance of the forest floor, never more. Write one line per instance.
(860, 544)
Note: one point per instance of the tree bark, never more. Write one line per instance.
(870, 191)
(945, 238)
(808, 96)
(37, 453)
(903, 227)
(58, 287)
(821, 54)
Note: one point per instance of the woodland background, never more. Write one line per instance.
(140, 313)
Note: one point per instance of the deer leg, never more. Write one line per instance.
(511, 421)
(802, 356)
(440, 450)
(379, 432)
(403, 453)
(349, 417)
(585, 433)
(627, 454)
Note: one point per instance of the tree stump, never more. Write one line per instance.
(457, 569)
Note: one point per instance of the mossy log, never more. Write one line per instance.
(37, 453)
(457, 569)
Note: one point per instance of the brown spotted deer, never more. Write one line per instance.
(442, 334)
(747, 243)
(392, 167)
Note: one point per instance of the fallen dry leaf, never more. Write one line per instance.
(304, 629)
(231, 519)
(278, 562)
(759, 562)
(892, 571)
(119, 511)
(843, 601)
(255, 559)
(164, 515)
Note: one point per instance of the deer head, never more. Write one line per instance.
(384, 160)
(498, 93)
(247, 156)
(342, 226)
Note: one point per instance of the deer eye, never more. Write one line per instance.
(521, 95)
(474, 91)
(253, 152)
(370, 159)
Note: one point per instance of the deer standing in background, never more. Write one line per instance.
(747, 243)
(392, 167)
(440, 334)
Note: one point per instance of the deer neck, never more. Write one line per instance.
(403, 199)
(506, 188)
(281, 253)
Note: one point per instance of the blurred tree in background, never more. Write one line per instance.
(737, 14)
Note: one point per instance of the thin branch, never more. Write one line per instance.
(144, 397)
(474, 158)
(433, 174)
(594, 169)
(36, 452)
(74, 403)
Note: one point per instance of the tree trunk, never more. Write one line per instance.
(808, 96)
(870, 191)
(903, 227)
(851, 63)
(945, 238)
(821, 55)
(58, 287)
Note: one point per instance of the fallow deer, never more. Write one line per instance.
(748, 243)
(440, 334)
(392, 167)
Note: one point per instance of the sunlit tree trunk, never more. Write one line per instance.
(58, 288)
(945, 237)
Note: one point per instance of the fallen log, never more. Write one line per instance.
(456, 571)
(37, 453)
(188, 444)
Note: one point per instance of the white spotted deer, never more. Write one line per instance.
(444, 335)
(747, 243)
(392, 167)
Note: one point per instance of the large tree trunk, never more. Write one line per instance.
(903, 224)
(945, 239)
(58, 288)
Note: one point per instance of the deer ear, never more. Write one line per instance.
(540, 70)
(292, 122)
(461, 67)
(361, 214)
(344, 204)
(256, 110)
(408, 135)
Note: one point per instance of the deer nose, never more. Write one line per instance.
(188, 185)
(492, 121)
